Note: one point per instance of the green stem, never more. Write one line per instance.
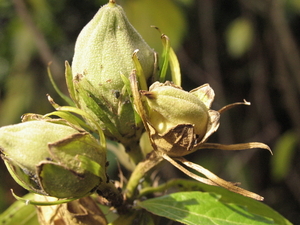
(139, 172)
(134, 151)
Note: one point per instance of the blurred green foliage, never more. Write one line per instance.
(244, 49)
(239, 37)
(285, 149)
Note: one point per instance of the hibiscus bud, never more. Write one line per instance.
(52, 158)
(171, 106)
(103, 51)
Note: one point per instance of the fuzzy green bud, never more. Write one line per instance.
(54, 159)
(103, 51)
(170, 106)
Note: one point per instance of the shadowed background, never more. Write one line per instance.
(244, 49)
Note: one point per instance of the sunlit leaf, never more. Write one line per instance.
(253, 206)
(202, 208)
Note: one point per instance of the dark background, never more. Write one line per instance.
(244, 49)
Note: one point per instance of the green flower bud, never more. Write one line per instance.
(51, 158)
(103, 51)
(179, 121)
(171, 106)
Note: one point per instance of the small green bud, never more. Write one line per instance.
(171, 106)
(103, 51)
(51, 158)
(178, 121)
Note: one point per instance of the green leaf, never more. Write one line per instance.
(202, 208)
(20, 213)
(253, 206)
(143, 217)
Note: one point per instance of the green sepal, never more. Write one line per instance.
(22, 178)
(126, 81)
(69, 81)
(28, 201)
(84, 115)
(69, 183)
(62, 95)
(139, 71)
(175, 67)
(66, 151)
(165, 58)
(169, 57)
(101, 111)
(70, 118)
(92, 167)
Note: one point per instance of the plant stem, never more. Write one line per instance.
(134, 151)
(140, 171)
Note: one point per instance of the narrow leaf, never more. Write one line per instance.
(69, 80)
(62, 95)
(165, 57)
(139, 71)
(126, 81)
(175, 67)
(70, 118)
